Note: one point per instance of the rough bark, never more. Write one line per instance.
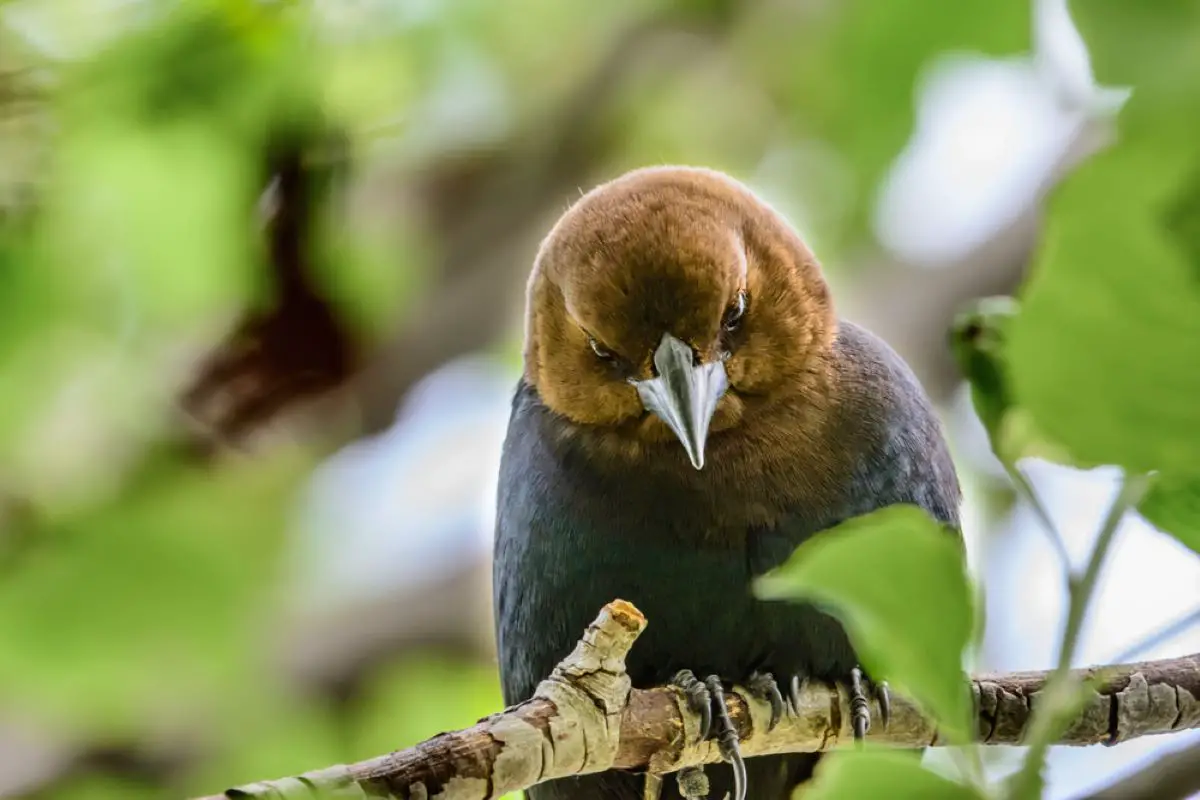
(586, 717)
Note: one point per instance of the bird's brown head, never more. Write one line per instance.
(671, 304)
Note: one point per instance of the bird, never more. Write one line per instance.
(690, 410)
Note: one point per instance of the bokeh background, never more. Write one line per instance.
(261, 284)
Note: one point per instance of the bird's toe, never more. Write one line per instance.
(860, 707)
(698, 697)
(763, 685)
(884, 695)
(727, 737)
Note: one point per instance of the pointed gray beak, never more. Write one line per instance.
(684, 395)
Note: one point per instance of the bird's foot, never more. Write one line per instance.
(764, 687)
(706, 698)
(860, 711)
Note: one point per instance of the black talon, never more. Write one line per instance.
(703, 697)
(763, 685)
(698, 698)
(885, 703)
(727, 738)
(860, 711)
(794, 694)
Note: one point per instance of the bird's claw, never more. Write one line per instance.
(763, 685)
(860, 710)
(698, 698)
(705, 697)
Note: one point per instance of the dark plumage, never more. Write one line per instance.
(821, 421)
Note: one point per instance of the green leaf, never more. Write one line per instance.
(1153, 48)
(1173, 506)
(979, 341)
(882, 773)
(1104, 349)
(1135, 43)
(896, 580)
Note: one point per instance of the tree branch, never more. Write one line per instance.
(1174, 776)
(585, 717)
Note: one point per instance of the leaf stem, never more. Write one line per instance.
(1025, 488)
(1046, 717)
(1163, 634)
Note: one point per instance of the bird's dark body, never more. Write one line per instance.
(576, 529)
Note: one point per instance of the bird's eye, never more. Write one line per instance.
(602, 352)
(735, 313)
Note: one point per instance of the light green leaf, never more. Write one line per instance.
(882, 773)
(1173, 506)
(897, 581)
(1104, 349)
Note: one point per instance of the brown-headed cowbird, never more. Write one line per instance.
(691, 411)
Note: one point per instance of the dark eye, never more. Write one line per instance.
(602, 352)
(735, 313)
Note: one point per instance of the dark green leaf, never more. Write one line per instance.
(897, 580)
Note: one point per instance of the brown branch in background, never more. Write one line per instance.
(585, 717)
(296, 346)
(1174, 776)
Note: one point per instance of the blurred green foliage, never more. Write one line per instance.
(880, 773)
(138, 589)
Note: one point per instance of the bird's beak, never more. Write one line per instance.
(684, 394)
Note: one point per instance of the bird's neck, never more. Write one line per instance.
(779, 458)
